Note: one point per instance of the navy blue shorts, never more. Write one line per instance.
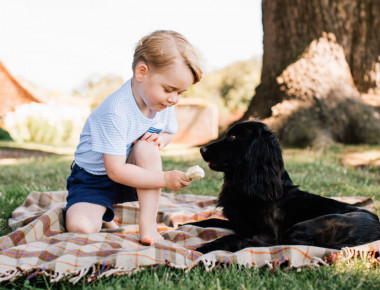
(98, 189)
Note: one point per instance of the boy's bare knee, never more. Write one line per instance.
(82, 225)
(142, 146)
(84, 218)
(147, 155)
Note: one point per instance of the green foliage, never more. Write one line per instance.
(316, 171)
(231, 88)
(4, 135)
(98, 88)
(43, 123)
(41, 131)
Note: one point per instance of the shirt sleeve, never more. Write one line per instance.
(171, 126)
(109, 135)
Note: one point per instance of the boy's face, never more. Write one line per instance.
(163, 88)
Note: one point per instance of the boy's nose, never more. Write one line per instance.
(173, 99)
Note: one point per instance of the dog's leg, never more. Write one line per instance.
(212, 223)
(232, 243)
(335, 230)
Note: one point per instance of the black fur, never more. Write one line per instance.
(264, 208)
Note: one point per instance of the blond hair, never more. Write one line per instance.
(162, 48)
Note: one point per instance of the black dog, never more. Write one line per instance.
(264, 208)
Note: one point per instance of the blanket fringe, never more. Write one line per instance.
(110, 272)
(208, 263)
(55, 277)
(81, 274)
(113, 271)
(10, 275)
(366, 255)
(269, 264)
(316, 261)
(97, 271)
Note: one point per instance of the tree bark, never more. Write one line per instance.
(319, 56)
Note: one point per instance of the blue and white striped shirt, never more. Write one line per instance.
(114, 125)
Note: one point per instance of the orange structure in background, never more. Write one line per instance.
(12, 93)
(197, 122)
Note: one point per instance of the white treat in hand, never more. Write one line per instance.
(195, 172)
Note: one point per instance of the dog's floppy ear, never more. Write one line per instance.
(260, 172)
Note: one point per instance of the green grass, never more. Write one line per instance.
(316, 171)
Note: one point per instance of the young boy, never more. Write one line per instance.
(118, 159)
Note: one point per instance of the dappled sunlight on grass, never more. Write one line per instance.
(56, 149)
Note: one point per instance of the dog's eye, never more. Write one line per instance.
(231, 138)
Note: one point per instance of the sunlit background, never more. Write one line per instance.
(58, 44)
(70, 55)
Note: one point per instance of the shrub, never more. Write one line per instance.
(231, 87)
(43, 123)
(97, 88)
(4, 135)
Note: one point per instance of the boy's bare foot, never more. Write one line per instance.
(110, 225)
(149, 234)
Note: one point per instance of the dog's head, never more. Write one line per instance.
(251, 158)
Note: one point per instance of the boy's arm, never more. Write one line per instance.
(138, 177)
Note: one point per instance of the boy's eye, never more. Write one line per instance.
(167, 90)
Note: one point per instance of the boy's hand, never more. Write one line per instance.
(153, 137)
(176, 180)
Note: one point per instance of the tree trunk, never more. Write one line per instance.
(319, 56)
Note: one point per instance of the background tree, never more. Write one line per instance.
(319, 57)
(96, 88)
(230, 88)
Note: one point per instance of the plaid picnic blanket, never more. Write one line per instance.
(39, 244)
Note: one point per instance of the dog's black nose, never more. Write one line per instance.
(203, 150)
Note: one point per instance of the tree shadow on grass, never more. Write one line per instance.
(17, 153)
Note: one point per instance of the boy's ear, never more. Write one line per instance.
(141, 71)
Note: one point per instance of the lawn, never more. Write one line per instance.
(317, 171)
